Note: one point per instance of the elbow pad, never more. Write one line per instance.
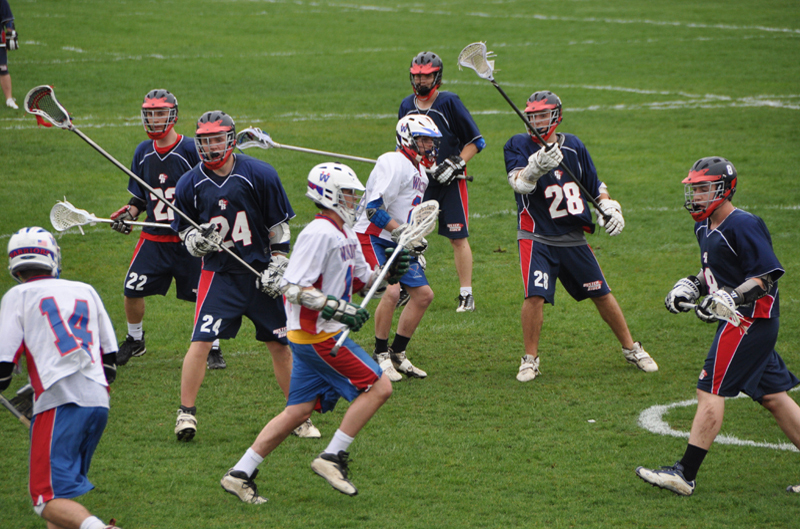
(279, 237)
(377, 215)
(518, 184)
(138, 203)
(312, 299)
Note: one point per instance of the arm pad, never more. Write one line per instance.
(750, 290)
(138, 203)
(518, 184)
(312, 299)
(6, 369)
(376, 214)
(279, 238)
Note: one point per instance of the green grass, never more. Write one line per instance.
(649, 88)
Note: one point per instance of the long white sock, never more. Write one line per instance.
(466, 291)
(216, 343)
(135, 330)
(92, 522)
(249, 462)
(340, 442)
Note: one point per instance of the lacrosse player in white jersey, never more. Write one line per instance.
(70, 350)
(325, 269)
(396, 185)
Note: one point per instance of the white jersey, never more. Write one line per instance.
(401, 184)
(62, 328)
(329, 259)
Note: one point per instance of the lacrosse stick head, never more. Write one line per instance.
(64, 216)
(33, 248)
(475, 57)
(42, 103)
(421, 223)
(254, 137)
(726, 313)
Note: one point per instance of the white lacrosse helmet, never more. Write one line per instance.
(33, 248)
(328, 184)
(412, 127)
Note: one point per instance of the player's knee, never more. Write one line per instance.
(382, 388)
(422, 296)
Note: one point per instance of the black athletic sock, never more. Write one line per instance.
(692, 460)
(381, 346)
(400, 343)
(186, 409)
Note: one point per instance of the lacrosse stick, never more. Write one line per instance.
(718, 310)
(421, 223)
(255, 137)
(64, 216)
(41, 102)
(15, 412)
(475, 57)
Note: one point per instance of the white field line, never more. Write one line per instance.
(652, 420)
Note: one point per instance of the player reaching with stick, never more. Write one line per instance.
(552, 219)
(395, 186)
(160, 255)
(239, 202)
(325, 269)
(70, 349)
(738, 284)
(461, 140)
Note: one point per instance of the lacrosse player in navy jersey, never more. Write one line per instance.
(65, 334)
(738, 284)
(160, 255)
(326, 268)
(239, 202)
(553, 218)
(461, 140)
(8, 41)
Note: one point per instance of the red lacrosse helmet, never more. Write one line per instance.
(426, 62)
(215, 138)
(544, 101)
(155, 102)
(711, 182)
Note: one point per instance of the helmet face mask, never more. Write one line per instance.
(544, 112)
(335, 186)
(33, 249)
(711, 181)
(215, 138)
(159, 113)
(419, 137)
(425, 63)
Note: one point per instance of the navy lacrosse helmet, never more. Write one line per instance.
(711, 182)
(426, 62)
(544, 101)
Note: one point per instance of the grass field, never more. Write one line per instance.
(649, 87)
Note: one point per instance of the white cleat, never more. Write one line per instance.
(334, 469)
(466, 303)
(185, 426)
(307, 431)
(402, 365)
(793, 488)
(12, 103)
(243, 487)
(385, 362)
(529, 369)
(669, 478)
(639, 357)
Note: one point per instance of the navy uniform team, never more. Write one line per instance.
(238, 203)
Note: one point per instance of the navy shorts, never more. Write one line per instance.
(374, 249)
(746, 361)
(317, 376)
(63, 441)
(155, 264)
(222, 300)
(575, 266)
(453, 208)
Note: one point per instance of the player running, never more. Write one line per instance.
(738, 282)
(325, 269)
(461, 140)
(552, 218)
(239, 202)
(395, 186)
(159, 255)
(66, 335)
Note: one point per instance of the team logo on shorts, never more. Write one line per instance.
(558, 173)
(223, 204)
(280, 333)
(703, 374)
(455, 227)
(594, 285)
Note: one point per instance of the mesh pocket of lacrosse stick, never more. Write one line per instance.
(722, 312)
(475, 57)
(421, 223)
(41, 102)
(64, 216)
(253, 137)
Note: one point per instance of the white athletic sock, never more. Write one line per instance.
(215, 344)
(249, 462)
(135, 330)
(92, 522)
(466, 291)
(340, 442)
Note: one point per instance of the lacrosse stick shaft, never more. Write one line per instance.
(131, 223)
(166, 202)
(15, 412)
(325, 153)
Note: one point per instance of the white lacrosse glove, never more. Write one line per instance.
(686, 290)
(203, 241)
(11, 39)
(398, 232)
(719, 305)
(541, 162)
(270, 281)
(449, 170)
(418, 247)
(615, 222)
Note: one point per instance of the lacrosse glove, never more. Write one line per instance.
(399, 266)
(270, 281)
(541, 162)
(110, 367)
(614, 223)
(11, 39)
(686, 290)
(703, 310)
(719, 305)
(119, 217)
(449, 170)
(343, 311)
(203, 241)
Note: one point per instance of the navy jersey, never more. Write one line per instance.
(451, 117)
(161, 172)
(245, 205)
(556, 206)
(739, 249)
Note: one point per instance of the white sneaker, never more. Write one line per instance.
(242, 486)
(12, 103)
(529, 369)
(639, 357)
(402, 365)
(466, 303)
(307, 431)
(385, 362)
(669, 478)
(185, 426)
(334, 469)
(793, 488)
